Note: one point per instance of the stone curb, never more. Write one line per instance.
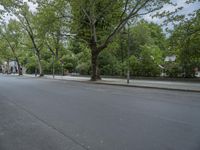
(149, 87)
(118, 84)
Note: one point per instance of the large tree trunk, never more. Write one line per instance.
(19, 67)
(40, 66)
(95, 69)
(8, 66)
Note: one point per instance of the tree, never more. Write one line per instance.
(186, 39)
(146, 33)
(99, 21)
(11, 34)
(53, 26)
(5, 54)
(29, 24)
(151, 59)
(82, 53)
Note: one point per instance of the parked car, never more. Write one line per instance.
(197, 74)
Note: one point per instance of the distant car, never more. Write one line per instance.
(197, 74)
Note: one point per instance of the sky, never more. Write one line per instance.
(188, 8)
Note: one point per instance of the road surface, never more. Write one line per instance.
(42, 114)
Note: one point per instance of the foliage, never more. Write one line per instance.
(186, 39)
(98, 22)
(92, 38)
(150, 58)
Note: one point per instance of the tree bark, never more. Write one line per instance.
(8, 66)
(95, 68)
(40, 66)
(19, 67)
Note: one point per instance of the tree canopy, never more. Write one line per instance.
(101, 37)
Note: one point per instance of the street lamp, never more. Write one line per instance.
(127, 26)
(128, 54)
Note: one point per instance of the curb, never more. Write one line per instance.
(118, 84)
(126, 85)
(149, 87)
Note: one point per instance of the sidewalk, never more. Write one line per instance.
(167, 85)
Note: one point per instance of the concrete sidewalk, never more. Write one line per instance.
(167, 85)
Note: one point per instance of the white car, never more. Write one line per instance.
(197, 74)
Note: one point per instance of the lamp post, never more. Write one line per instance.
(128, 54)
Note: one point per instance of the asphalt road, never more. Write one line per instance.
(41, 114)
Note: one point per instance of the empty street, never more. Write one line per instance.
(44, 114)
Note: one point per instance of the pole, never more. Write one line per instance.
(128, 54)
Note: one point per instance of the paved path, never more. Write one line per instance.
(41, 114)
(170, 85)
